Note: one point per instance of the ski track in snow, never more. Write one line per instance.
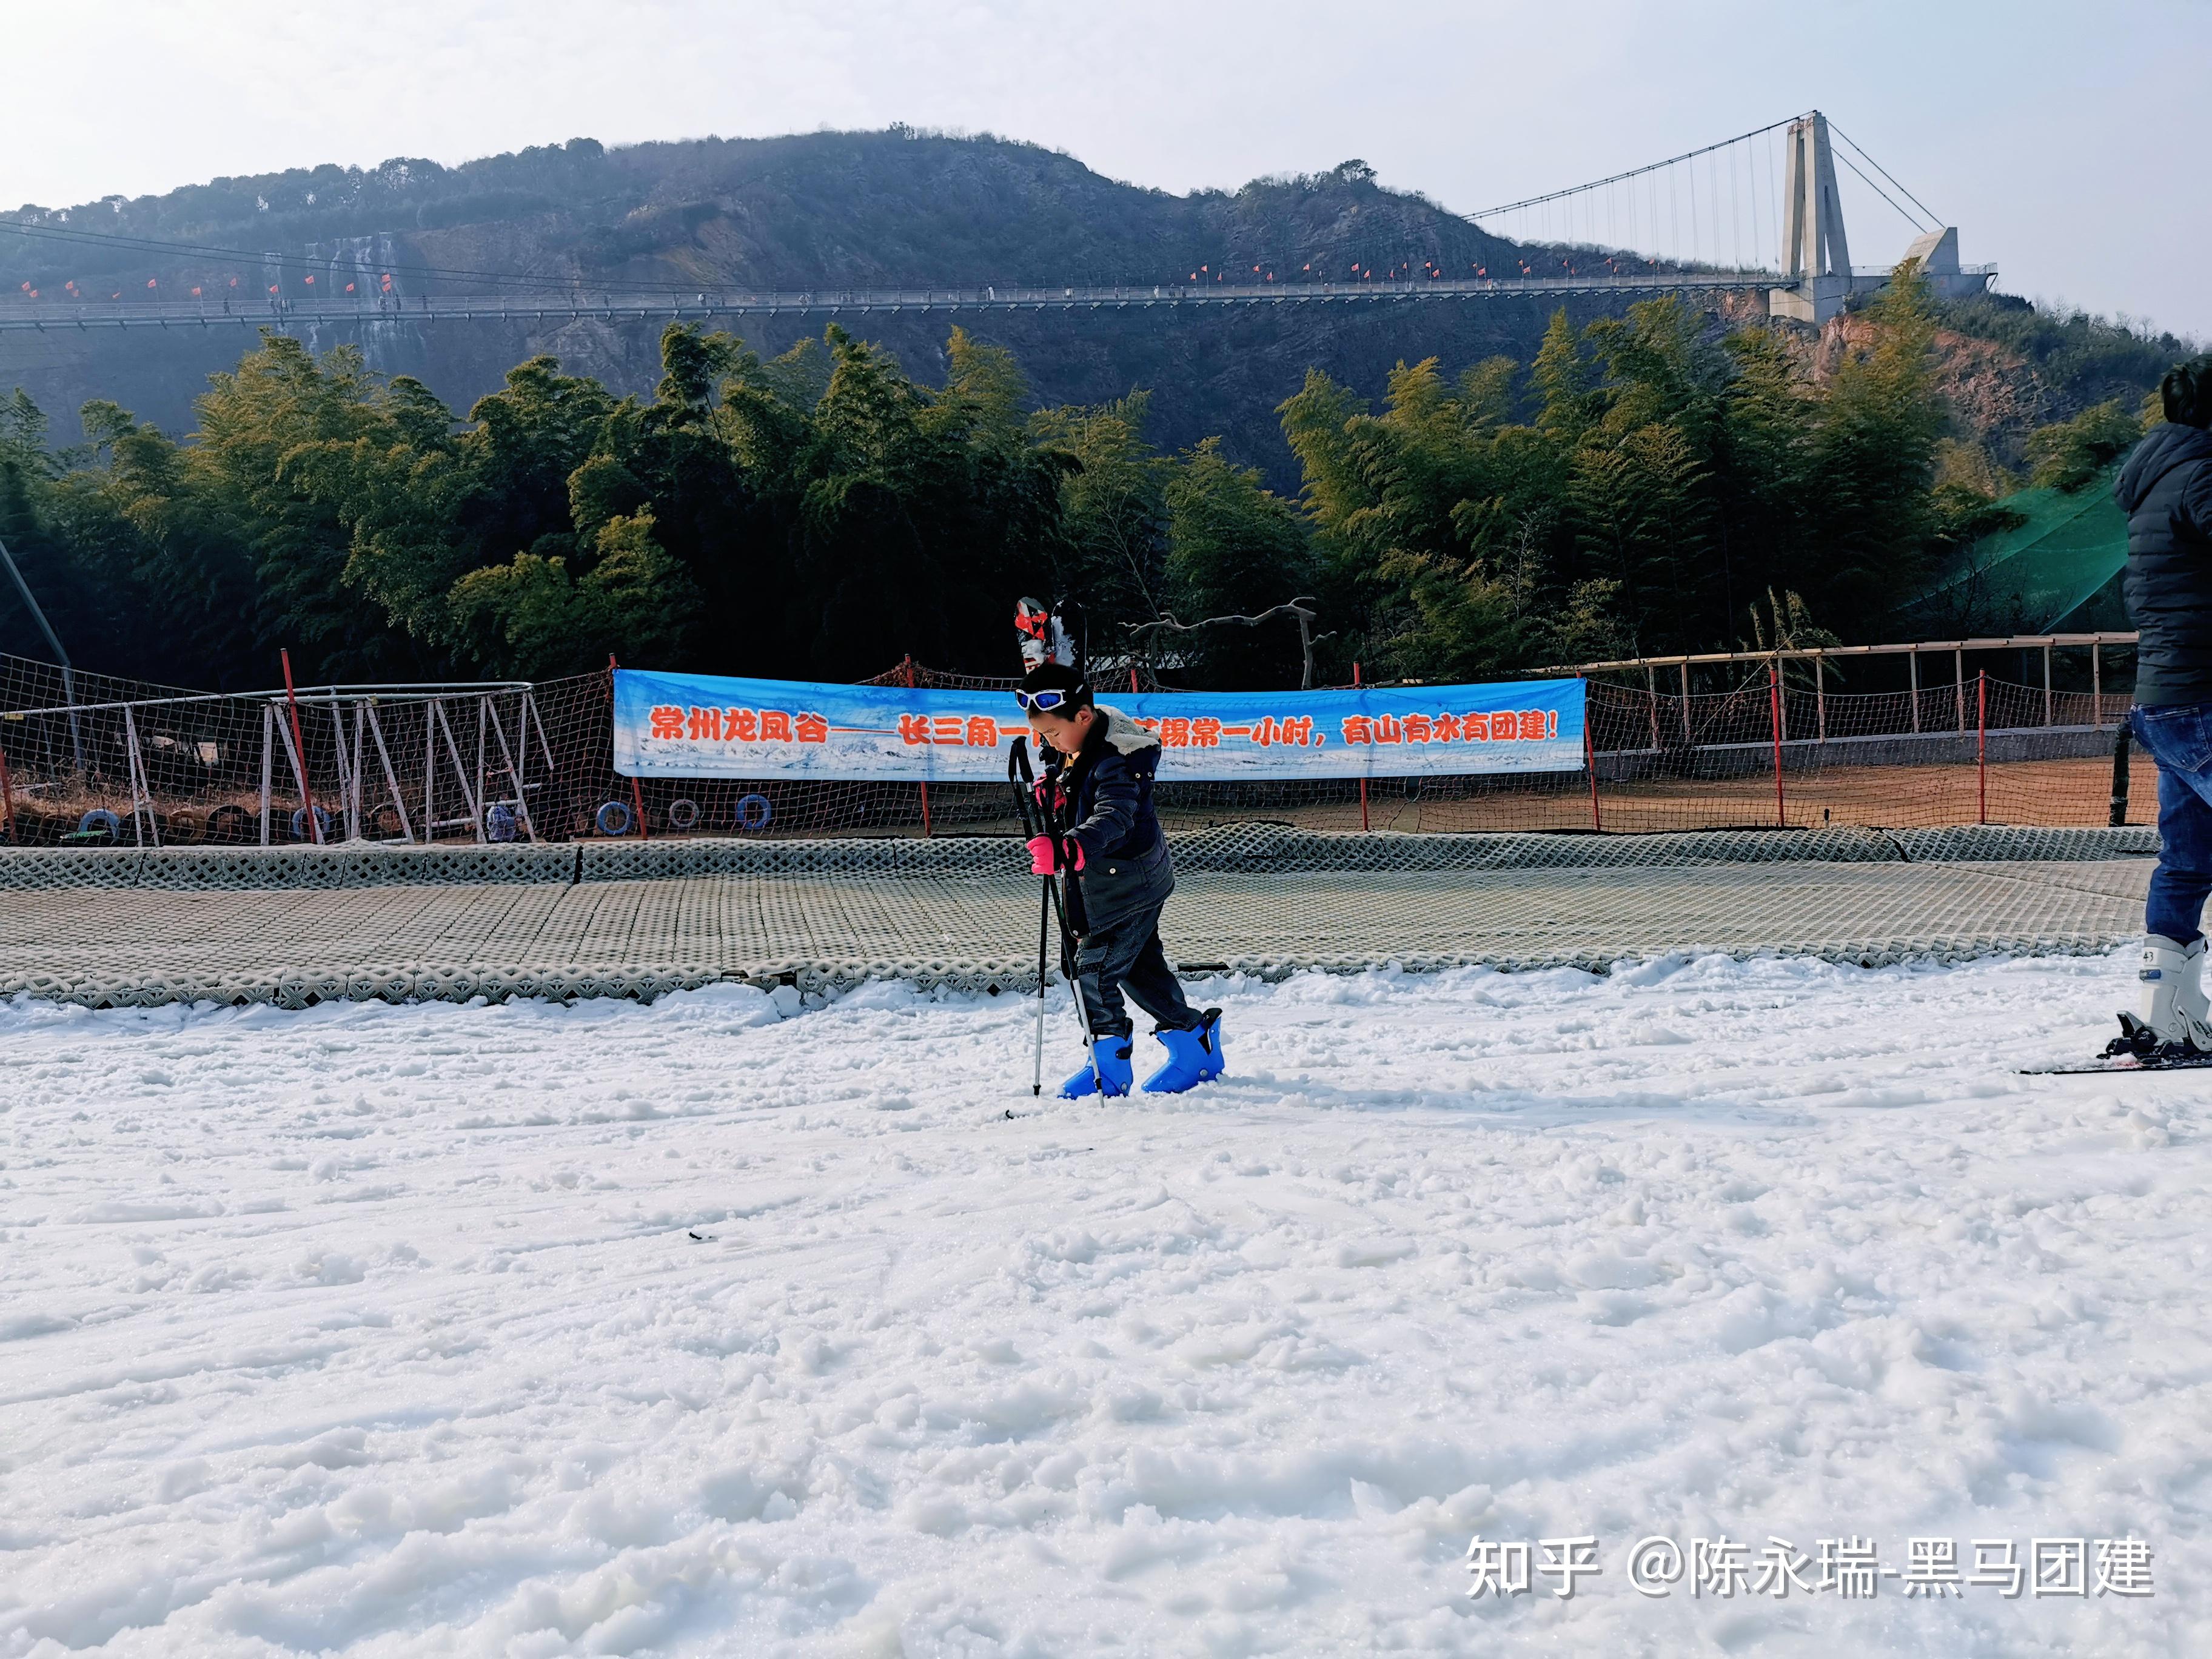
(381, 1331)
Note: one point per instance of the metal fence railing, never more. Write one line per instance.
(100, 761)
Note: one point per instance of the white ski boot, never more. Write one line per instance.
(2173, 1024)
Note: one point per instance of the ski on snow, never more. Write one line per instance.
(2118, 1063)
(2137, 1048)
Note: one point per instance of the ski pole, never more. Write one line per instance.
(1068, 955)
(1037, 819)
(1018, 769)
(1044, 931)
(1070, 947)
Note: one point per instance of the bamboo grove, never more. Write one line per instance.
(1651, 481)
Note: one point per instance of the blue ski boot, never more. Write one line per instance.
(1217, 1058)
(1110, 1065)
(1194, 1057)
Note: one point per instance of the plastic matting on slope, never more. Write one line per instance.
(294, 947)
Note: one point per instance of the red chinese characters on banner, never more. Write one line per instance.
(1268, 730)
(670, 722)
(968, 730)
(1205, 731)
(679, 724)
(1505, 725)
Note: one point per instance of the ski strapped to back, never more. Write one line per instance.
(1050, 633)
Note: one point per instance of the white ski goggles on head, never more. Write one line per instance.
(1043, 702)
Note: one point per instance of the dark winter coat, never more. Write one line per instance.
(1105, 793)
(2166, 490)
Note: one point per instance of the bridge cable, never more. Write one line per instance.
(1736, 201)
(1674, 216)
(1908, 218)
(1878, 167)
(1633, 173)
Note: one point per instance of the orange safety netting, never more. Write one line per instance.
(103, 761)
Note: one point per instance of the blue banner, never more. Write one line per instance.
(701, 726)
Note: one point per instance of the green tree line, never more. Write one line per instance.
(1646, 484)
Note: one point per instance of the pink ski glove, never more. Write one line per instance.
(1043, 862)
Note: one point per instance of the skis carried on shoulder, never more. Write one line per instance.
(1052, 634)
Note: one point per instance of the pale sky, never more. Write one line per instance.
(2066, 141)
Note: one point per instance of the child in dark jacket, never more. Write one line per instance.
(1099, 769)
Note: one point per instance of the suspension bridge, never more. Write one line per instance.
(1699, 222)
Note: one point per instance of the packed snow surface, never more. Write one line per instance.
(727, 1325)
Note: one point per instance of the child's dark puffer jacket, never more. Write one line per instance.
(1106, 796)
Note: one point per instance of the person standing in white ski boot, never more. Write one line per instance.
(2166, 490)
(1099, 783)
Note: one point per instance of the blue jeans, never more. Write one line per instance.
(2179, 738)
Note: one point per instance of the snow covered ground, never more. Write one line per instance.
(700, 1329)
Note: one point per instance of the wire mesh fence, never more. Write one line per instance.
(89, 760)
(131, 763)
(1983, 750)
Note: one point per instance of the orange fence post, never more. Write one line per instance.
(925, 782)
(1589, 757)
(1133, 679)
(7, 794)
(299, 747)
(1982, 744)
(1363, 782)
(1774, 715)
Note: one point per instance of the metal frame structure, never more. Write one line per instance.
(507, 719)
(1818, 656)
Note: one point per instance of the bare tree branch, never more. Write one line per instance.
(1299, 607)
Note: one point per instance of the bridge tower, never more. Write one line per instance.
(1815, 258)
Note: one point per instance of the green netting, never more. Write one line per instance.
(2045, 573)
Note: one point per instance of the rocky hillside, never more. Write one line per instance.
(854, 210)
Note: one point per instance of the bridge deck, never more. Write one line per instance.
(46, 315)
